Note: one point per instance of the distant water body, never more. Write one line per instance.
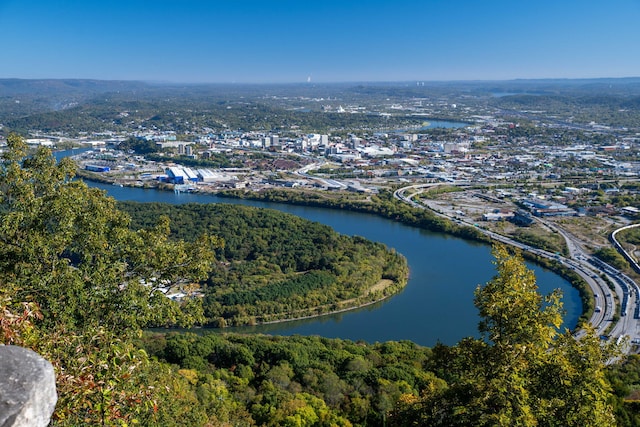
(432, 124)
(437, 304)
(443, 124)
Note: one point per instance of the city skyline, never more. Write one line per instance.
(243, 41)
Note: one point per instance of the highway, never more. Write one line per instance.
(331, 183)
(625, 296)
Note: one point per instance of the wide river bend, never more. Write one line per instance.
(437, 303)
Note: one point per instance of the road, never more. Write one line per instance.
(332, 183)
(624, 297)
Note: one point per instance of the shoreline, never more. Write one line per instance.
(342, 310)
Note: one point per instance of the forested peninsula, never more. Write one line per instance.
(275, 266)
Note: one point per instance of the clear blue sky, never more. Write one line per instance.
(327, 40)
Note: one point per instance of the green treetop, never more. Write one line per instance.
(76, 284)
(524, 372)
(67, 248)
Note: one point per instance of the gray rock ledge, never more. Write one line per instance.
(27, 388)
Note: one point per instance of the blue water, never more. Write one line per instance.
(436, 124)
(443, 124)
(437, 303)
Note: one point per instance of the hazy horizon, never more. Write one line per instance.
(375, 82)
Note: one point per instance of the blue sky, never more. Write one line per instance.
(326, 40)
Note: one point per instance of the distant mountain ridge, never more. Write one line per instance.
(15, 86)
(21, 98)
(87, 105)
(52, 87)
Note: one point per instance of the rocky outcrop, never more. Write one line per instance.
(27, 388)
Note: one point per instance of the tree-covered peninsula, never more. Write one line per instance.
(274, 266)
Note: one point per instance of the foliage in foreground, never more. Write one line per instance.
(524, 372)
(77, 285)
(625, 380)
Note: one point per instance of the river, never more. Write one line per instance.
(437, 303)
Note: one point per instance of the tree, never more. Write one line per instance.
(612, 257)
(77, 284)
(139, 145)
(524, 371)
(521, 325)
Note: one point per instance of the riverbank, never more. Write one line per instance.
(383, 204)
(381, 286)
(387, 288)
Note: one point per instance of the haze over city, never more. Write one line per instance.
(249, 41)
